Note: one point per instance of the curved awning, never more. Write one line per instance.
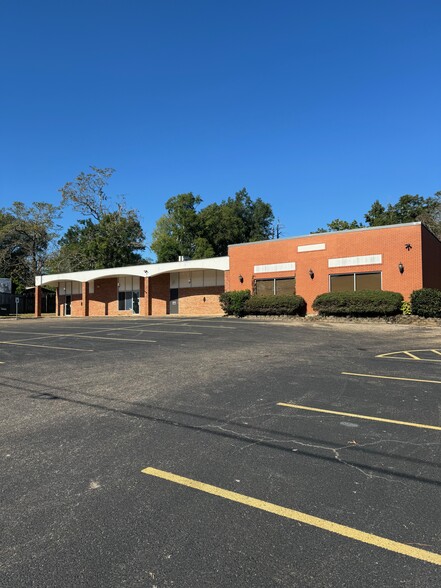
(146, 270)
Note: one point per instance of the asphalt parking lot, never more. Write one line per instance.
(219, 453)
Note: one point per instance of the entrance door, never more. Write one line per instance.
(135, 302)
(174, 301)
(68, 305)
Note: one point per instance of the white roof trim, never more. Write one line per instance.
(149, 270)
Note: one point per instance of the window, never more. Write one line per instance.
(128, 293)
(275, 286)
(355, 281)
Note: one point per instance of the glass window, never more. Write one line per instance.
(129, 297)
(342, 283)
(370, 281)
(264, 287)
(351, 282)
(285, 286)
(136, 302)
(276, 286)
(121, 301)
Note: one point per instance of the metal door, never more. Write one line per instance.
(68, 305)
(174, 301)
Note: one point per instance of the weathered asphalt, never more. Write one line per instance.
(86, 405)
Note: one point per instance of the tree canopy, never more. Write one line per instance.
(106, 237)
(198, 234)
(27, 236)
(406, 210)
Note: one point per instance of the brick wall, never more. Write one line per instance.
(389, 242)
(104, 300)
(159, 294)
(200, 301)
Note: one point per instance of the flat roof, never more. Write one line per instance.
(315, 235)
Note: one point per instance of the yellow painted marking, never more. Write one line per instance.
(44, 346)
(391, 378)
(360, 416)
(300, 517)
(411, 355)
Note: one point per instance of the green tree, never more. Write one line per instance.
(340, 225)
(406, 210)
(106, 237)
(184, 230)
(176, 231)
(236, 220)
(27, 236)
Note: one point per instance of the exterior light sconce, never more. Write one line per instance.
(241, 278)
(311, 274)
(400, 267)
(408, 246)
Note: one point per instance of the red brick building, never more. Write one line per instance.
(400, 258)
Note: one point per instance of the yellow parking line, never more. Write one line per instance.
(301, 517)
(436, 351)
(391, 378)
(360, 416)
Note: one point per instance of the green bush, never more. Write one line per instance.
(361, 303)
(426, 302)
(233, 303)
(276, 305)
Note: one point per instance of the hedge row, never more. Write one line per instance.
(361, 303)
(276, 305)
(241, 303)
(425, 302)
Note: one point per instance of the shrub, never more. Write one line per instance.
(233, 303)
(276, 305)
(406, 308)
(426, 302)
(361, 303)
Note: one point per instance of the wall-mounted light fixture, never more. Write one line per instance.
(400, 267)
(241, 278)
(408, 246)
(311, 274)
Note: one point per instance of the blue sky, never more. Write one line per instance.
(318, 107)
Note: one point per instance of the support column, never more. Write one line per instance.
(84, 299)
(37, 301)
(147, 302)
